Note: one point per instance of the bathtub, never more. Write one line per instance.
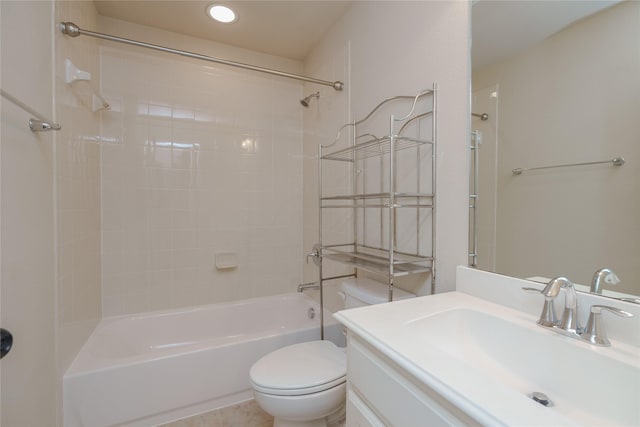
(157, 367)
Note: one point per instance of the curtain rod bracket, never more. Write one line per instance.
(70, 29)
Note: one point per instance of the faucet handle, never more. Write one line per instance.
(594, 332)
(315, 255)
(548, 316)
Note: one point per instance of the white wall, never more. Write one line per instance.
(197, 159)
(50, 209)
(383, 49)
(573, 98)
(28, 377)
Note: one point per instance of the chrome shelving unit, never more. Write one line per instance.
(388, 209)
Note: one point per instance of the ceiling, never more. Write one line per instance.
(502, 28)
(292, 28)
(285, 28)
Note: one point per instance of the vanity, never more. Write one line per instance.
(477, 357)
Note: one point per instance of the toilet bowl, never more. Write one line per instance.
(304, 385)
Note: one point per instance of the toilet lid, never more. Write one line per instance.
(298, 369)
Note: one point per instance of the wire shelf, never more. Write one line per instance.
(377, 196)
(377, 260)
(374, 147)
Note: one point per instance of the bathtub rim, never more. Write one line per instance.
(83, 363)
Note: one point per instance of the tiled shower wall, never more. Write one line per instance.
(77, 186)
(197, 161)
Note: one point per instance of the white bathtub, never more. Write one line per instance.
(157, 367)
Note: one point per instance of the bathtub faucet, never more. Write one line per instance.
(310, 285)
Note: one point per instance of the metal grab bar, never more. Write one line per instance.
(618, 161)
(39, 124)
(473, 197)
(72, 30)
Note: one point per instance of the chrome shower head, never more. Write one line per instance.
(305, 101)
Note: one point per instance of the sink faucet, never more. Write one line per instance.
(593, 333)
(569, 320)
(605, 275)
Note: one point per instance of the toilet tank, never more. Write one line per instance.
(363, 291)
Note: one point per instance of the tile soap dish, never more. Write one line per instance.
(226, 260)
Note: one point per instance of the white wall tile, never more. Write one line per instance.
(186, 171)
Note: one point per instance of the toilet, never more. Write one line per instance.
(304, 385)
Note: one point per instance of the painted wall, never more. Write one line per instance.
(573, 98)
(383, 49)
(50, 209)
(195, 167)
(28, 380)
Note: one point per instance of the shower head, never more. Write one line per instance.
(305, 101)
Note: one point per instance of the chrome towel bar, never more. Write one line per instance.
(618, 161)
(37, 124)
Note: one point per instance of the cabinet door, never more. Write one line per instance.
(398, 398)
(359, 414)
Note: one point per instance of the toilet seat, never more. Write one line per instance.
(300, 369)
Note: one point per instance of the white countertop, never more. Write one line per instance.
(490, 400)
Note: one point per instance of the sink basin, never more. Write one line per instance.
(486, 359)
(581, 382)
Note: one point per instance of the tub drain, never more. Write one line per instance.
(541, 398)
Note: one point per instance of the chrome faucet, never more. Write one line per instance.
(569, 320)
(605, 275)
(568, 325)
(594, 331)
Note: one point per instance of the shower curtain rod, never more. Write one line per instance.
(72, 30)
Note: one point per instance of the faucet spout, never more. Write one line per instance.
(569, 321)
(553, 287)
(605, 275)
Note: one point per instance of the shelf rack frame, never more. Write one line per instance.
(385, 259)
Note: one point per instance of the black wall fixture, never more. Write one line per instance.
(6, 341)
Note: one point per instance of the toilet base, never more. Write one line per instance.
(286, 423)
(303, 410)
(335, 419)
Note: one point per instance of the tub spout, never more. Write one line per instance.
(310, 285)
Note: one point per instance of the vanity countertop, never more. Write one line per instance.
(485, 358)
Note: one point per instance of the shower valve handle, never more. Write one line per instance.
(315, 254)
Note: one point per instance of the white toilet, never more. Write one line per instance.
(304, 385)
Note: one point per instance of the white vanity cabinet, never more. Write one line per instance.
(455, 359)
(380, 393)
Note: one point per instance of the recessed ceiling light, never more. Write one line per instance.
(222, 13)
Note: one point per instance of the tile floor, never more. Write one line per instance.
(245, 414)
